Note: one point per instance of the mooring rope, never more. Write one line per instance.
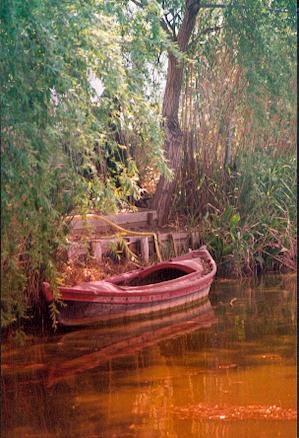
(124, 231)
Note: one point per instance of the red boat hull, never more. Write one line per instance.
(128, 295)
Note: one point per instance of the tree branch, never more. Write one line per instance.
(138, 3)
(171, 25)
(188, 23)
(166, 27)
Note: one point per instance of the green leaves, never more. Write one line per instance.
(262, 234)
(67, 147)
(234, 220)
(263, 37)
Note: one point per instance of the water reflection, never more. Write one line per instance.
(97, 346)
(214, 371)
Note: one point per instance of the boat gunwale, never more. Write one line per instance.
(154, 268)
(147, 290)
(189, 276)
(132, 290)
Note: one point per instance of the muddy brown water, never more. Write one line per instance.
(226, 368)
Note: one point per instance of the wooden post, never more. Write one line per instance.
(76, 251)
(192, 240)
(144, 249)
(97, 252)
(174, 245)
(150, 218)
(126, 251)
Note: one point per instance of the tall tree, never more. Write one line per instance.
(173, 135)
(248, 26)
(178, 20)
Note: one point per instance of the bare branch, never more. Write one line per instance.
(165, 26)
(138, 3)
(171, 25)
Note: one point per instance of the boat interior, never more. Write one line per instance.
(153, 277)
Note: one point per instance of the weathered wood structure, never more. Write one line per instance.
(92, 225)
(91, 236)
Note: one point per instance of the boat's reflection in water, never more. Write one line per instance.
(94, 346)
(178, 375)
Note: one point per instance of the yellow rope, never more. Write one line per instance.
(123, 231)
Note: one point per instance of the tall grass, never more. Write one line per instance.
(238, 178)
(253, 226)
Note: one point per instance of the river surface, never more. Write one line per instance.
(226, 368)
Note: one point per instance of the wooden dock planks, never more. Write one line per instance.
(87, 239)
(91, 223)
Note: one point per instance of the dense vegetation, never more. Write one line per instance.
(238, 173)
(83, 125)
(254, 230)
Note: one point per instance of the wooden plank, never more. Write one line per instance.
(192, 240)
(134, 243)
(180, 241)
(195, 239)
(174, 245)
(163, 237)
(77, 251)
(96, 250)
(122, 219)
(150, 218)
(144, 249)
(180, 235)
(104, 243)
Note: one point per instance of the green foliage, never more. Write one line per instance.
(239, 117)
(263, 37)
(254, 230)
(120, 250)
(61, 139)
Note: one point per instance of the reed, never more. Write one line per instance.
(238, 178)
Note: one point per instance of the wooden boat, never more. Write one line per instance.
(161, 287)
(90, 348)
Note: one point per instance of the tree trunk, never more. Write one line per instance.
(173, 136)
